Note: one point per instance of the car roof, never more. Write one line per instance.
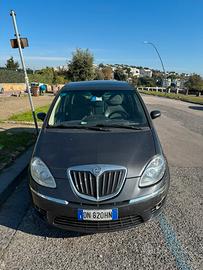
(98, 85)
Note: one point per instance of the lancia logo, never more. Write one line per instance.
(96, 171)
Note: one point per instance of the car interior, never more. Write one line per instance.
(96, 105)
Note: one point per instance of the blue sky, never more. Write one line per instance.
(114, 30)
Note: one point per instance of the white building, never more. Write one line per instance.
(166, 82)
(113, 68)
(179, 83)
(144, 72)
(59, 68)
(176, 82)
(135, 72)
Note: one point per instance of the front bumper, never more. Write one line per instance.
(63, 214)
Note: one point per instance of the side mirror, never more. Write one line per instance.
(155, 114)
(41, 116)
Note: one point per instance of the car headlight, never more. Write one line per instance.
(153, 172)
(41, 174)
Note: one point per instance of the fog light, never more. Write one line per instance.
(158, 205)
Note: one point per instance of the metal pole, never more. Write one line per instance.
(13, 15)
(162, 64)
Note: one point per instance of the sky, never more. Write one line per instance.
(113, 30)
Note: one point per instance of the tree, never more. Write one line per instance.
(59, 80)
(54, 80)
(45, 75)
(81, 66)
(120, 75)
(134, 80)
(11, 64)
(30, 71)
(195, 83)
(11, 76)
(128, 71)
(145, 81)
(158, 77)
(99, 75)
(108, 73)
(101, 65)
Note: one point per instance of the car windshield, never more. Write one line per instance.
(97, 108)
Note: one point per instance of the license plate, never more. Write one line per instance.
(98, 215)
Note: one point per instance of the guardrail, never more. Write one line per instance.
(162, 89)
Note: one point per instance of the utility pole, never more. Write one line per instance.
(13, 15)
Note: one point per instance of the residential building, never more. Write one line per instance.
(62, 67)
(135, 71)
(166, 82)
(178, 83)
(144, 72)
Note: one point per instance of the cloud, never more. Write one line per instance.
(123, 60)
(47, 58)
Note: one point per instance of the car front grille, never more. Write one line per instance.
(98, 226)
(97, 183)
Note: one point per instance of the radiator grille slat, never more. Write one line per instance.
(120, 178)
(86, 184)
(91, 184)
(75, 180)
(103, 184)
(81, 181)
(109, 183)
(114, 181)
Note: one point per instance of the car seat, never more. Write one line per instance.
(80, 107)
(115, 109)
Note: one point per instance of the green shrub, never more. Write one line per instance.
(11, 76)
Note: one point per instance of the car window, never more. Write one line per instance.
(98, 107)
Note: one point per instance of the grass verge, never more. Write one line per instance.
(12, 144)
(192, 99)
(27, 116)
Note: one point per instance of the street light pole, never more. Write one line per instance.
(162, 64)
(13, 15)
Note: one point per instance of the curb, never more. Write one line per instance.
(20, 122)
(11, 176)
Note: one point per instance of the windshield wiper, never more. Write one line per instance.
(97, 128)
(121, 126)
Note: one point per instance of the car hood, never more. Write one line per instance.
(61, 149)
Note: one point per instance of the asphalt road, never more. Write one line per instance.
(171, 241)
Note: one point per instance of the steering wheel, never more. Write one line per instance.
(123, 115)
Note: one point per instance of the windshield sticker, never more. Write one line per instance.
(94, 98)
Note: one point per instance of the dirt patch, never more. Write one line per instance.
(12, 105)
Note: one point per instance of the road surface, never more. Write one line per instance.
(171, 241)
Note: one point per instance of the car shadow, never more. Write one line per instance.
(18, 214)
(197, 108)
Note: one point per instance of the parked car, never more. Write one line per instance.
(98, 164)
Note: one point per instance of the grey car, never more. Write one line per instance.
(98, 164)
